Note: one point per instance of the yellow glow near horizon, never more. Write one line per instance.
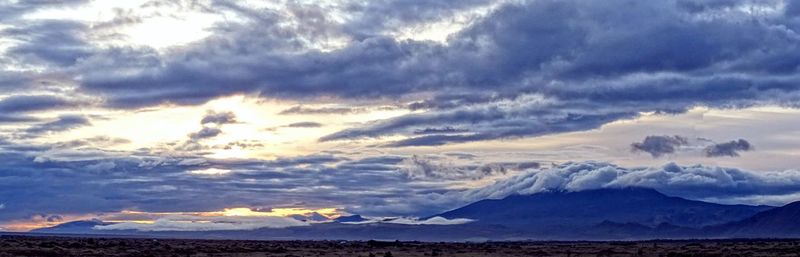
(39, 222)
(151, 217)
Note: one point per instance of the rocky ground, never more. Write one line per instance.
(14, 245)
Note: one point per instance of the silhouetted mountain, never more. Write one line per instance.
(778, 222)
(74, 227)
(555, 212)
(314, 216)
(351, 218)
(602, 214)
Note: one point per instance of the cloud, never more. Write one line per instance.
(659, 145)
(17, 118)
(524, 115)
(694, 182)
(377, 17)
(730, 149)
(62, 123)
(218, 118)
(578, 55)
(29, 103)
(205, 132)
(402, 67)
(193, 223)
(302, 110)
(707, 183)
(37, 45)
(97, 141)
(418, 167)
(307, 124)
(421, 186)
(430, 221)
(525, 69)
(13, 10)
(444, 130)
(54, 218)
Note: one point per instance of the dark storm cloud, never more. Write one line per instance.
(62, 123)
(592, 63)
(657, 146)
(218, 118)
(792, 8)
(377, 16)
(730, 149)
(49, 42)
(29, 103)
(512, 119)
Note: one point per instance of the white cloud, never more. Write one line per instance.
(695, 182)
(698, 182)
(210, 172)
(416, 221)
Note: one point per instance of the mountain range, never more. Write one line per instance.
(600, 214)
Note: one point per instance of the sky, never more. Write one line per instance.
(214, 114)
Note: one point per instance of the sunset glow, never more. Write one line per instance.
(215, 116)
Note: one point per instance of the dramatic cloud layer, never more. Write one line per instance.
(576, 57)
(694, 182)
(62, 123)
(356, 104)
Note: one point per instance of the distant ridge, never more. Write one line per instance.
(778, 222)
(351, 218)
(74, 227)
(566, 209)
(601, 214)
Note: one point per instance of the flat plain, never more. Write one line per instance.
(15, 245)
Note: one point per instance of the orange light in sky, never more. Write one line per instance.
(150, 217)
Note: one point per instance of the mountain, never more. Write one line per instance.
(314, 216)
(351, 218)
(74, 227)
(778, 222)
(602, 214)
(562, 211)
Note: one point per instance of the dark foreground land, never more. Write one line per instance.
(13, 245)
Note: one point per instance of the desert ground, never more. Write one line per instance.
(14, 245)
